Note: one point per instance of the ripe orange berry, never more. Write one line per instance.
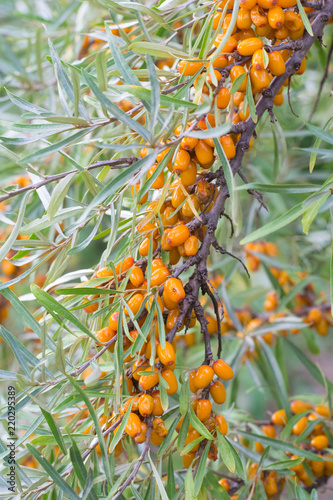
(178, 197)
(258, 16)
(134, 304)
(260, 79)
(133, 426)
(279, 418)
(203, 152)
(228, 146)
(149, 304)
(188, 177)
(159, 182)
(218, 392)
(203, 409)
(145, 405)
(147, 382)
(139, 366)
(167, 355)
(252, 470)
(266, 4)
(235, 72)
(136, 277)
(258, 59)
(298, 406)
(168, 303)
(159, 276)
(188, 459)
(320, 442)
(223, 98)
(157, 408)
(113, 321)
(244, 20)
(276, 64)
(292, 21)
(187, 210)
(322, 327)
(221, 61)
(249, 46)
(269, 431)
(229, 47)
(191, 245)
(182, 160)
(247, 4)
(105, 335)
(192, 384)
(300, 426)
(221, 424)
(323, 410)
(188, 143)
(144, 247)
(174, 289)
(170, 378)
(275, 17)
(285, 4)
(141, 438)
(168, 217)
(155, 438)
(135, 189)
(204, 376)
(270, 486)
(192, 435)
(223, 370)
(187, 68)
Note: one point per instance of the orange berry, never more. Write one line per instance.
(159, 276)
(218, 392)
(249, 46)
(223, 98)
(298, 406)
(174, 289)
(135, 189)
(223, 370)
(266, 4)
(275, 17)
(300, 426)
(229, 47)
(221, 424)
(105, 335)
(155, 438)
(228, 146)
(269, 431)
(279, 418)
(260, 79)
(188, 459)
(247, 4)
(182, 160)
(323, 410)
(159, 181)
(136, 277)
(192, 435)
(203, 409)
(191, 245)
(133, 426)
(235, 72)
(145, 405)
(204, 376)
(258, 16)
(144, 247)
(225, 484)
(258, 59)
(187, 68)
(141, 438)
(134, 304)
(178, 197)
(276, 64)
(168, 217)
(203, 152)
(167, 355)
(157, 408)
(113, 321)
(192, 384)
(188, 143)
(147, 382)
(170, 378)
(320, 442)
(244, 20)
(292, 21)
(188, 177)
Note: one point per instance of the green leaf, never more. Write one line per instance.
(53, 306)
(59, 194)
(171, 484)
(59, 481)
(279, 188)
(225, 452)
(309, 365)
(99, 433)
(316, 145)
(237, 83)
(321, 134)
(280, 445)
(158, 479)
(144, 10)
(312, 211)
(250, 100)
(189, 485)
(116, 112)
(304, 18)
(155, 93)
(301, 494)
(16, 230)
(158, 50)
(276, 224)
(277, 376)
(198, 425)
(165, 100)
(55, 430)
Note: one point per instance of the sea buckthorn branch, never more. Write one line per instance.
(119, 163)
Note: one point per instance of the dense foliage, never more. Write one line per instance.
(165, 249)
